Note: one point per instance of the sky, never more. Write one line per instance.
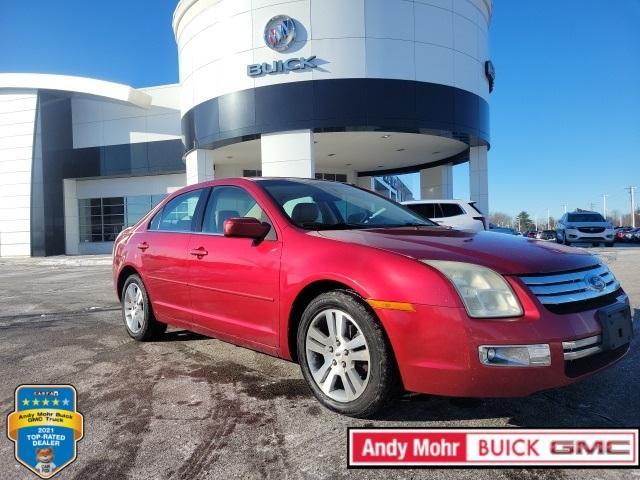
(565, 111)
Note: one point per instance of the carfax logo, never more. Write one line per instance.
(45, 426)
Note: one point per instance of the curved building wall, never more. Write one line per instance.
(436, 41)
(17, 125)
(400, 65)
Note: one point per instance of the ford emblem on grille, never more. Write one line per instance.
(595, 282)
(279, 33)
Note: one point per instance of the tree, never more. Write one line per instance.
(552, 223)
(501, 219)
(524, 222)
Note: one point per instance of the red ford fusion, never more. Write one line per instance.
(367, 296)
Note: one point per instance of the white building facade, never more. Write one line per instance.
(348, 90)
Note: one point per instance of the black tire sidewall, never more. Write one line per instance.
(381, 365)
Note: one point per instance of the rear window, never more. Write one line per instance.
(451, 209)
(428, 210)
(585, 217)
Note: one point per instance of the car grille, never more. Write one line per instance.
(591, 229)
(560, 290)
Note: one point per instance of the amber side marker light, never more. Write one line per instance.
(402, 306)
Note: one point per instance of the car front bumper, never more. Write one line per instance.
(575, 235)
(436, 349)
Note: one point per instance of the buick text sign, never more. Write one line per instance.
(513, 447)
(281, 66)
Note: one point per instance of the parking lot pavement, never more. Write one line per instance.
(192, 407)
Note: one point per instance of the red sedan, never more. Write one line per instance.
(367, 296)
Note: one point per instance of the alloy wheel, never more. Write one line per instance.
(337, 355)
(134, 308)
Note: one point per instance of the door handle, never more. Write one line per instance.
(143, 246)
(198, 252)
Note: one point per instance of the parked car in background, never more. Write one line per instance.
(584, 226)
(530, 234)
(547, 235)
(369, 297)
(636, 235)
(458, 214)
(624, 234)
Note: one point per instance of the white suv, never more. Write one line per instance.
(584, 226)
(456, 214)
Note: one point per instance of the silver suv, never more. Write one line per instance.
(584, 226)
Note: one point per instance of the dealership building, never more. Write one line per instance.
(349, 90)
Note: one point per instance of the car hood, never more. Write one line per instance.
(506, 254)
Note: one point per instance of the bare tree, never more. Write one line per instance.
(501, 219)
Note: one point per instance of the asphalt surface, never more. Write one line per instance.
(190, 407)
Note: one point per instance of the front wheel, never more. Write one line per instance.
(345, 356)
(138, 317)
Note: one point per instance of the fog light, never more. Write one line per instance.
(515, 355)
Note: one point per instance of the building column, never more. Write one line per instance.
(436, 182)
(479, 178)
(199, 165)
(71, 217)
(288, 154)
(365, 182)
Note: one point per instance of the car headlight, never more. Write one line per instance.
(485, 293)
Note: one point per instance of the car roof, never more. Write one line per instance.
(435, 200)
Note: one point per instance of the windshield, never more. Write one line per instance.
(318, 205)
(585, 217)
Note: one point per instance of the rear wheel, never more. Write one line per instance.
(138, 317)
(345, 356)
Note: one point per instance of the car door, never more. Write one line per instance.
(165, 257)
(234, 282)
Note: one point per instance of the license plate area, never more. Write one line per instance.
(617, 327)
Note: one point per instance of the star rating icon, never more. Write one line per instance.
(35, 402)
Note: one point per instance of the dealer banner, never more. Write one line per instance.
(45, 427)
(479, 447)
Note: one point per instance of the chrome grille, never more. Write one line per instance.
(584, 347)
(591, 229)
(567, 287)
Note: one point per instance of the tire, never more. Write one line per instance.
(137, 314)
(372, 383)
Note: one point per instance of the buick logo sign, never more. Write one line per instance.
(595, 282)
(279, 33)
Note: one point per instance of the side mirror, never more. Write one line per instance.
(246, 227)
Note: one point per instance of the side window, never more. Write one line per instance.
(155, 221)
(232, 202)
(177, 215)
(428, 210)
(451, 209)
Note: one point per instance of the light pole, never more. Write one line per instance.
(604, 205)
(548, 220)
(633, 205)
